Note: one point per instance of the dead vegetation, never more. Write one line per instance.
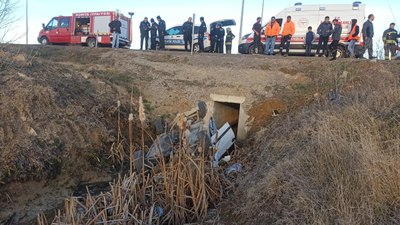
(336, 161)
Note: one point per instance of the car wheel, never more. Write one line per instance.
(44, 41)
(91, 42)
(196, 48)
(253, 50)
(341, 52)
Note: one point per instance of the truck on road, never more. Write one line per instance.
(313, 15)
(87, 28)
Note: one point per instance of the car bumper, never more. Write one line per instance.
(244, 48)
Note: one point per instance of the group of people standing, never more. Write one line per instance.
(153, 28)
(325, 30)
(217, 35)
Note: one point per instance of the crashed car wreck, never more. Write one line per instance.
(192, 130)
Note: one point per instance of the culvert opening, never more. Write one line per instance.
(229, 109)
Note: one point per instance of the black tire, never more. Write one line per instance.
(341, 52)
(91, 42)
(44, 41)
(253, 50)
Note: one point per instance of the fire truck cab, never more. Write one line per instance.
(89, 28)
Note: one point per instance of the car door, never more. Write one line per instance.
(224, 23)
(51, 30)
(174, 38)
(64, 30)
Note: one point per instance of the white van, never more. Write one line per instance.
(313, 15)
(174, 37)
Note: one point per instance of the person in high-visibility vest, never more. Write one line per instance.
(271, 33)
(287, 33)
(228, 41)
(390, 40)
(354, 37)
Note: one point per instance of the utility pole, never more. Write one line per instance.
(241, 21)
(262, 13)
(194, 21)
(26, 31)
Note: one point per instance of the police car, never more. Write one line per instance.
(174, 36)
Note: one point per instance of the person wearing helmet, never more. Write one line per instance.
(390, 41)
(228, 41)
(220, 38)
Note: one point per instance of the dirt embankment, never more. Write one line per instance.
(332, 162)
(58, 107)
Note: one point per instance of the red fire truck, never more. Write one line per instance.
(88, 28)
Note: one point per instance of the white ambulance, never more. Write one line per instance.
(313, 15)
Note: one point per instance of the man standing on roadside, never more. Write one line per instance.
(221, 39)
(154, 28)
(144, 33)
(187, 29)
(337, 32)
(353, 37)
(228, 41)
(257, 35)
(368, 35)
(115, 29)
(390, 40)
(324, 31)
(287, 33)
(271, 32)
(202, 31)
(161, 32)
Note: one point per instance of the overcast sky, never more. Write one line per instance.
(177, 11)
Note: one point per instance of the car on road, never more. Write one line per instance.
(174, 37)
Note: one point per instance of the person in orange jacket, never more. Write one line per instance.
(287, 33)
(271, 33)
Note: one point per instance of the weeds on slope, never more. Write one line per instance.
(334, 162)
(178, 189)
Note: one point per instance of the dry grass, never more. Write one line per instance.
(177, 190)
(174, 192)
(332, 163)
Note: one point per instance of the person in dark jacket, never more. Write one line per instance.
(153, 32)
(115, 29)
(161, 32)
(353, 37)
(214, 38)
(187, 29)
(324, 31)
(257, 35)
(144, 33)
(220, 39)
(336, 34)
(368, 35)
(390, 40)
(228, 41)
(310, 37)
(202, 31)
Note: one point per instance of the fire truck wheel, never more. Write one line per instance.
(44, 41)
(91, 42)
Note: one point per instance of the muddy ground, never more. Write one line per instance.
(58, 108)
